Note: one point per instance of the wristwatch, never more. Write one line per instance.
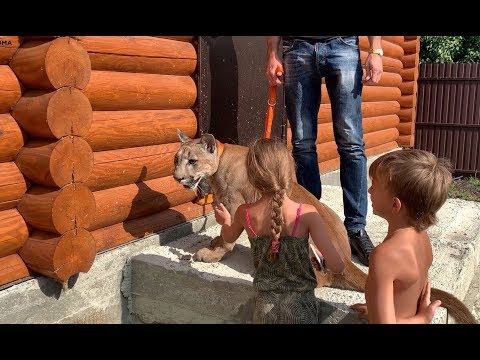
(376, 51)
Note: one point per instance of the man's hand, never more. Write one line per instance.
(222, 215)
(273, 75)
(373, 69)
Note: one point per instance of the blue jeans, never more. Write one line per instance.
(338, 60)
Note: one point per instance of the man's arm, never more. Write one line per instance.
(373, 64)
(273, 61)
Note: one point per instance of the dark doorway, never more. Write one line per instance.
(233, 89)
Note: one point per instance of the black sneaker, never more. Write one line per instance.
(361, 245)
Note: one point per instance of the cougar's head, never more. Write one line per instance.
(195, 161)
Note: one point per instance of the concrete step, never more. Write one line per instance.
(168, 287)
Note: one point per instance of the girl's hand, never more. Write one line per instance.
(222, 215)
(361, 309)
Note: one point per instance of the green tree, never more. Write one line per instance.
(449, 49)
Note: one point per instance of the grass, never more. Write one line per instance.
(465, 188)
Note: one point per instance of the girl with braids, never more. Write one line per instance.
(278, 229)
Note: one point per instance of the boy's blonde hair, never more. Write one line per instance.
(419, 179)
(270, 170)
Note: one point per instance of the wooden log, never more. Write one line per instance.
(136, 200)
(12, 268)
(55, 114)
(398, 40)
(126, 129)
(334, 164)
(148, 46)
(58, 211)
(9, 204)
(12, 185)
(11, 138)
(411, 47)
(59, 256)
(328, 151)
(142, 64)
(369, 109)
(389, 49)
(180, 38)
(371, 93)
(407, 101)
(406, 140)
(410, 74)
(117, 234)
(142, 54)
(52, 65)
(127, 166)
(8, 47)
(325, 131)
(388, 79)
(410, 61)
(387, 62)
(56, 163)
(381, 148)
(329, 165)
(406, 114)
(380, 137)
(108, 90)
(10, 90)
(406, 128)
(408, 87)
(13, 232)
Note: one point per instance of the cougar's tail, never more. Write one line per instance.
(454, 306)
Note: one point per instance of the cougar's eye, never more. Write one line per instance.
(192, 161)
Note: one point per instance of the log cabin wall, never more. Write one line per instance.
(13, 229)
(55, 160)
(382, 104)
(408, 101)
(141, 90)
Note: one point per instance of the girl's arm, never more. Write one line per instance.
(316, 228)
(230, 230)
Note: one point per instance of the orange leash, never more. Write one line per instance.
(272, 100)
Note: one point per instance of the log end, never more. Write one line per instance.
(71, 161)
(67, 64)
(69, 113)
(75, 253)
(74, 207)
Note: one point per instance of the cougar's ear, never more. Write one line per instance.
(182, 136)
(208, 142)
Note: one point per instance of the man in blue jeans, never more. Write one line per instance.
(306, 59)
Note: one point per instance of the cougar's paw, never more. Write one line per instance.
(208, 255)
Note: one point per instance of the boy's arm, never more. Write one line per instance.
(380, 302)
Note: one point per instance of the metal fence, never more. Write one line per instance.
(448, 114)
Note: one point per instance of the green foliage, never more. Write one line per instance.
(449, 49)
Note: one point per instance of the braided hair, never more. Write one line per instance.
(270, 170)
